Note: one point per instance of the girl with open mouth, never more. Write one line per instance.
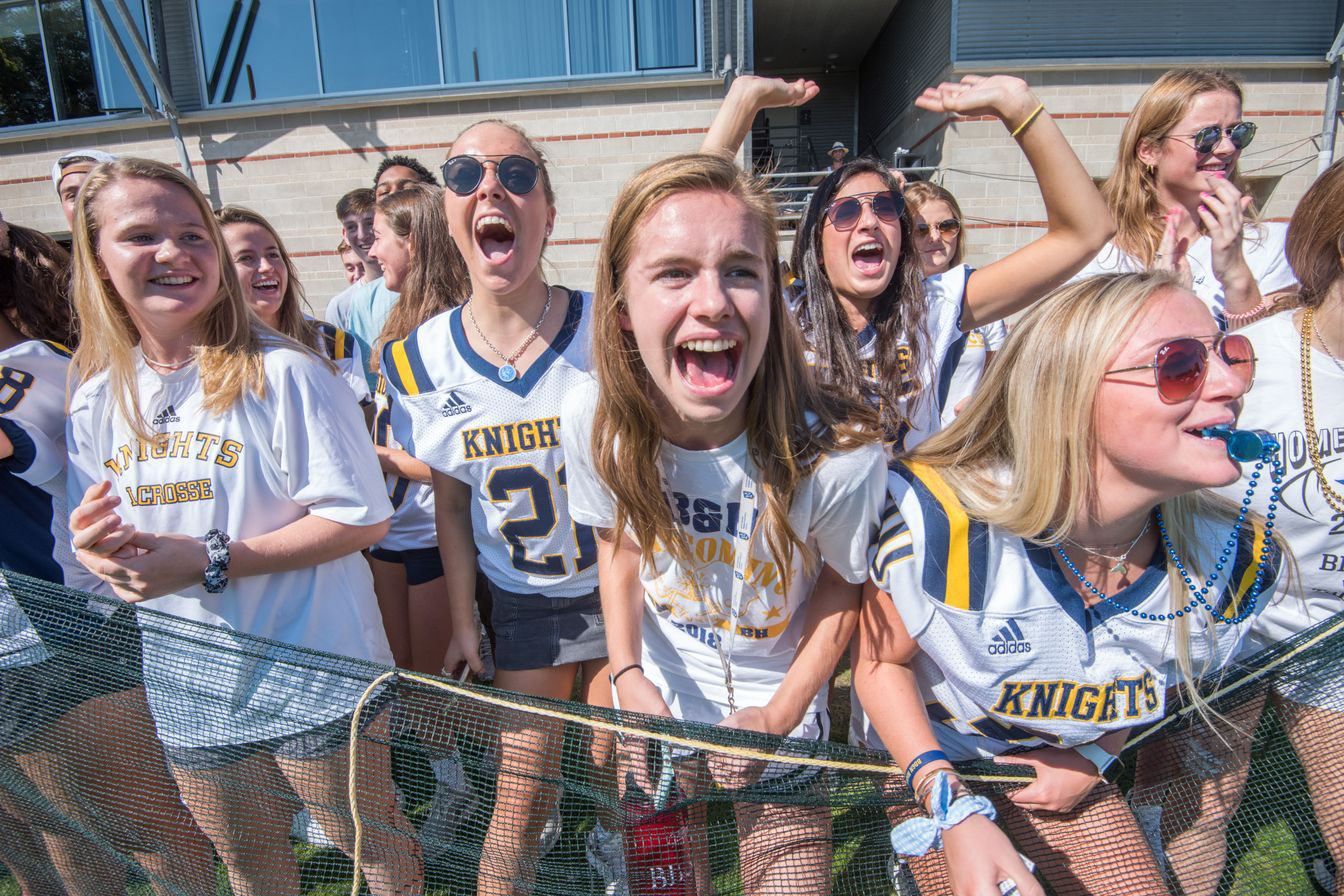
(875, 324)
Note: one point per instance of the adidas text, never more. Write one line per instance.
(453, 405)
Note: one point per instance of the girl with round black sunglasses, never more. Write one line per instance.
(517, 174)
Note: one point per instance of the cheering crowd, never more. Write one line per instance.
(687, 493)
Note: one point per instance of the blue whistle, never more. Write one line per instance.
(1243, 445)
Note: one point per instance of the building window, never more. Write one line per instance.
(289, 49)
(57, 62)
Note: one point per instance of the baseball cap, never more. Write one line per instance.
(79, 160)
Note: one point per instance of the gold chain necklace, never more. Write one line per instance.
(1332, 497)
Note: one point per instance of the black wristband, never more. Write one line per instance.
(623, 671)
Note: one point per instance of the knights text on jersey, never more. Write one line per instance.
(1010, 656)
(451, 410)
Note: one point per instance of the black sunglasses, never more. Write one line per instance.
(844, 213)
(1206, 139)
(463, 174)
(1181, 365)
(946, 228)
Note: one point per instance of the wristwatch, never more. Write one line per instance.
(1097, 756)
(217, 552)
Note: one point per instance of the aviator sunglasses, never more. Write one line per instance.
(463, 174)
(1181, 365)
(844, 213)
(1205, 139)
(944, 228)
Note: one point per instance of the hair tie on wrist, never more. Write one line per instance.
(623, 671)
(1030, 118)
(917, 836)
(1247, 316)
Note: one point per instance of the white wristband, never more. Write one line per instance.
(1097, 756)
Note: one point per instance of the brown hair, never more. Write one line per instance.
(921, 192)
(1316, 237)
(1131, 189)
(289, 320)
(437, 278)
(791, 420)
(35, 286)
(356, 202)
(531, 145)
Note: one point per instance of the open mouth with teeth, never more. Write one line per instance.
(868, 256)
(172, 281)
(708, 365)
(266, 286)
(494, 235)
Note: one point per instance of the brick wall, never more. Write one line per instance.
(993, 183)
(293, 166)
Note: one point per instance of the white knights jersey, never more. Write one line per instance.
(1010, 656)
(412, 502)
(1313, 530)
(299, 448)
(964, 364)
(343, 350)
(451, 410)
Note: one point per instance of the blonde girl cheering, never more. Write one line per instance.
(223, 476)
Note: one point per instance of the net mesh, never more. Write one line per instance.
(126, 767)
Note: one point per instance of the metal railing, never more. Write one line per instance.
(793, 189)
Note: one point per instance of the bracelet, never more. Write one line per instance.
(1098, 756)
(917, 836)
(914, 765)
(1030, 118)
(623, 671)
(926, 786)
(1247, 316)
(217, 553)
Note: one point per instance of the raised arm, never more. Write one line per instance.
(748, 95)
(1078, 222)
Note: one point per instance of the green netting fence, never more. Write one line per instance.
(128, 766)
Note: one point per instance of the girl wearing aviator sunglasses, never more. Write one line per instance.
(1081, 505)
(1179, 201)
(941, 241)
(876, 325)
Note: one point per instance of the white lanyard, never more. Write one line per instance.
(742, 535)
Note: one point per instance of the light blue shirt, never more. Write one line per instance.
(368, 311)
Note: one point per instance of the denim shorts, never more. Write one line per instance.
(533, 631)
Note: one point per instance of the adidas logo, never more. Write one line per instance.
(1009, 640)
(167, 415)
(453, 405)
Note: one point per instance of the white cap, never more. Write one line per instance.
(78, 160)
(838, 145)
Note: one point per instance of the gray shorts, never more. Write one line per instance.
(533, 631)
(314, 743)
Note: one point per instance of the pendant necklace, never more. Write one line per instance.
(1118, 564)
(507, 372)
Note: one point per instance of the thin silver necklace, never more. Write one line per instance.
(166, 368)
(1320, 337)
(507, 372)
(1118, 562)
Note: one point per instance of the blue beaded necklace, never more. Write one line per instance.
(1269, 454)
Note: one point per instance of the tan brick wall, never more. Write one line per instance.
(293, 166)
(995, 187)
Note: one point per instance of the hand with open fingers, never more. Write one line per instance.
(96, 530)
(463, 647)
(1005, 97)
(775, 93)
(1063, 779)
(736, 772)
(1173, 250)
(162, 564)
(979, 855)
(1223, 212)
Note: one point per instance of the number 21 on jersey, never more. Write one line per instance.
(501, 485)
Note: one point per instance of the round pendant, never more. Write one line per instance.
(508, 373)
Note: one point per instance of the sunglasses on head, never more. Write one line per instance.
(844, 213)
(1181, 365)
(463, 174)
(1206, 139)
(945, 228)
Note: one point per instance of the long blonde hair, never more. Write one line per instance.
(1131, 188)
(229, 350)
(289, 320)
(437, 277)
(791, 420)
(1020, 455)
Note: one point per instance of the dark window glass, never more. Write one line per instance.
(115, 92)
(24, 98)
(255, 50)
(502, 40)
(371, 46)
(599, 36)
(71, 62)
(665, 33)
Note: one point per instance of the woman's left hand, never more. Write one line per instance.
(1223, 212)
(734, 772)
(1007, 98)
(1063, 779)
(163, 564)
